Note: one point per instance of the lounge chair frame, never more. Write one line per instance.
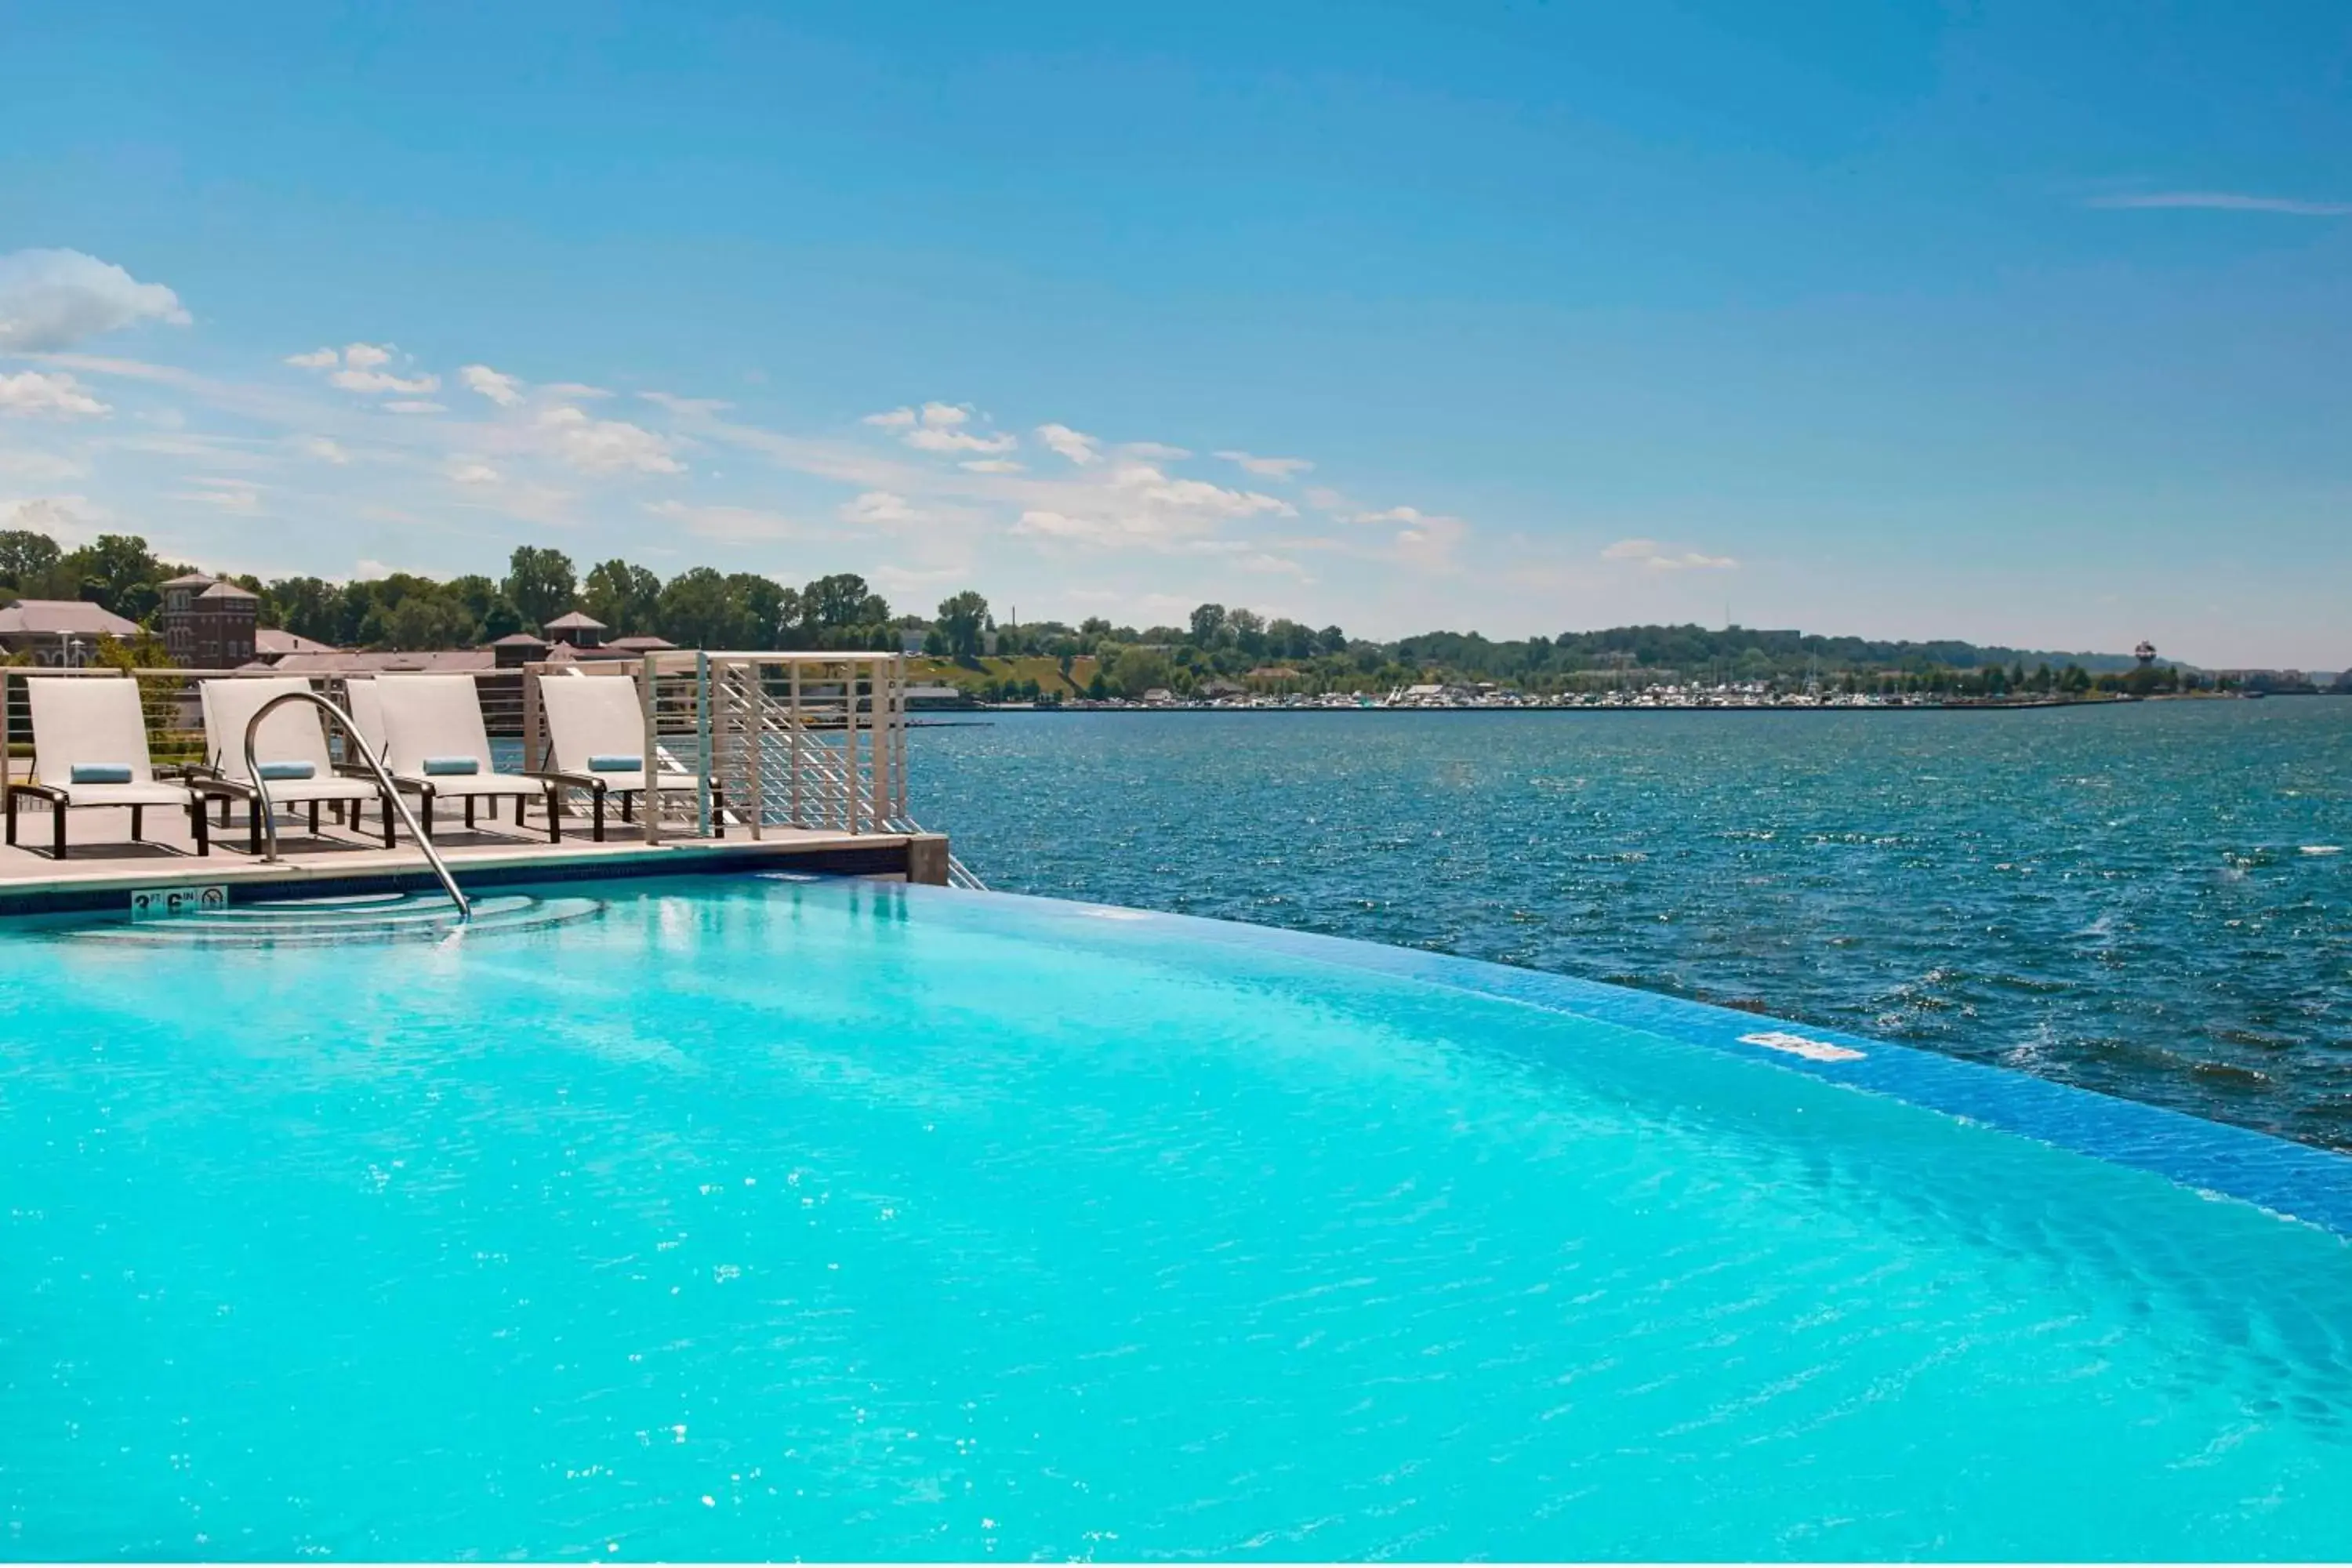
(63, 797)
(600, 787)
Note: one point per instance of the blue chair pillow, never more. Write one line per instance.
(274, 770)
(101, 773)
(614, 762)
(443, 767)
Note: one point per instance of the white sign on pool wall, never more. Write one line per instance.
(166, 903)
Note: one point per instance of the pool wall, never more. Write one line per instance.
(102, 888)
(2294, 1180)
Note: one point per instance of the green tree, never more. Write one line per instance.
(694, 611)
(492, 614)
(1137, 670)
(757, 607)
(841, 611)
(704, 608)
(117, 573)
(1208, 625)
(963, 618)
(306, 606)
(1247, 629)
(421, 621)
(625, 597)
(26, 558)
(540, 583)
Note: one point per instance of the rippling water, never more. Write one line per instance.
(2150, 900)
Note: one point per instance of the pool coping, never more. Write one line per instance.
(101, 886)
(2294, 1181)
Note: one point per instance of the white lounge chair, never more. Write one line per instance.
(291, 751)
(596, 742)
(436, 743)
(89, 749)
(360, 702)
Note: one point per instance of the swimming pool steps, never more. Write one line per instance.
(377, 917)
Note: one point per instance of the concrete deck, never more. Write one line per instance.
(102, 864)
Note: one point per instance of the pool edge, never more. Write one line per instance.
(2293, 1180)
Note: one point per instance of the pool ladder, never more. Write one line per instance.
(375, 765)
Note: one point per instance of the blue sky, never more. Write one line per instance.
(2022, 322)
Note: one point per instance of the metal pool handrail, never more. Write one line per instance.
(375, 765)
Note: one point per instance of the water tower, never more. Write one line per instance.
(2144, 653)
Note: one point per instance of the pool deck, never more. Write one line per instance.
(103, 867)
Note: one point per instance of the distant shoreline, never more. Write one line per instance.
(918, 715)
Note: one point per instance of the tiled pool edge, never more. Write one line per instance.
(109, 892)
(2293, 1180)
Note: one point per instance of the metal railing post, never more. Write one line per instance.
(703, 749)
(899, 711)
(650, 802)
(849, 749)
(792, 742)
(757, 792)
(878, 744)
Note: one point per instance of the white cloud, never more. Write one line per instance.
(67, 519)
(992, 466)
(1078, 448)
(605, 445)
(1198, 495)
(382, 381)
(414, 406)
(877, 507)
(324, 449)
(945, 438)
(2227, 201)
(361, 369)
(1421, 538)
(32, 392)
(1058, 525)
(1267, 467)
(939, 428)
(473, 473)
(1660, 557)
(1157, 451)
(52, 299)
(499, 388)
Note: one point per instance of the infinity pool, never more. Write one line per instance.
(752, 1218)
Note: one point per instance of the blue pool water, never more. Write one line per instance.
(2153, 900)
(752, 1218)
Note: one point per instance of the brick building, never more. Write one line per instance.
(209, 624)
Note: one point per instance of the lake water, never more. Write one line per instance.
(2150, 900)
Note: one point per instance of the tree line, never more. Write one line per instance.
(699, 607)
(703, 608)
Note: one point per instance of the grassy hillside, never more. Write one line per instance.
(1046, 672)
